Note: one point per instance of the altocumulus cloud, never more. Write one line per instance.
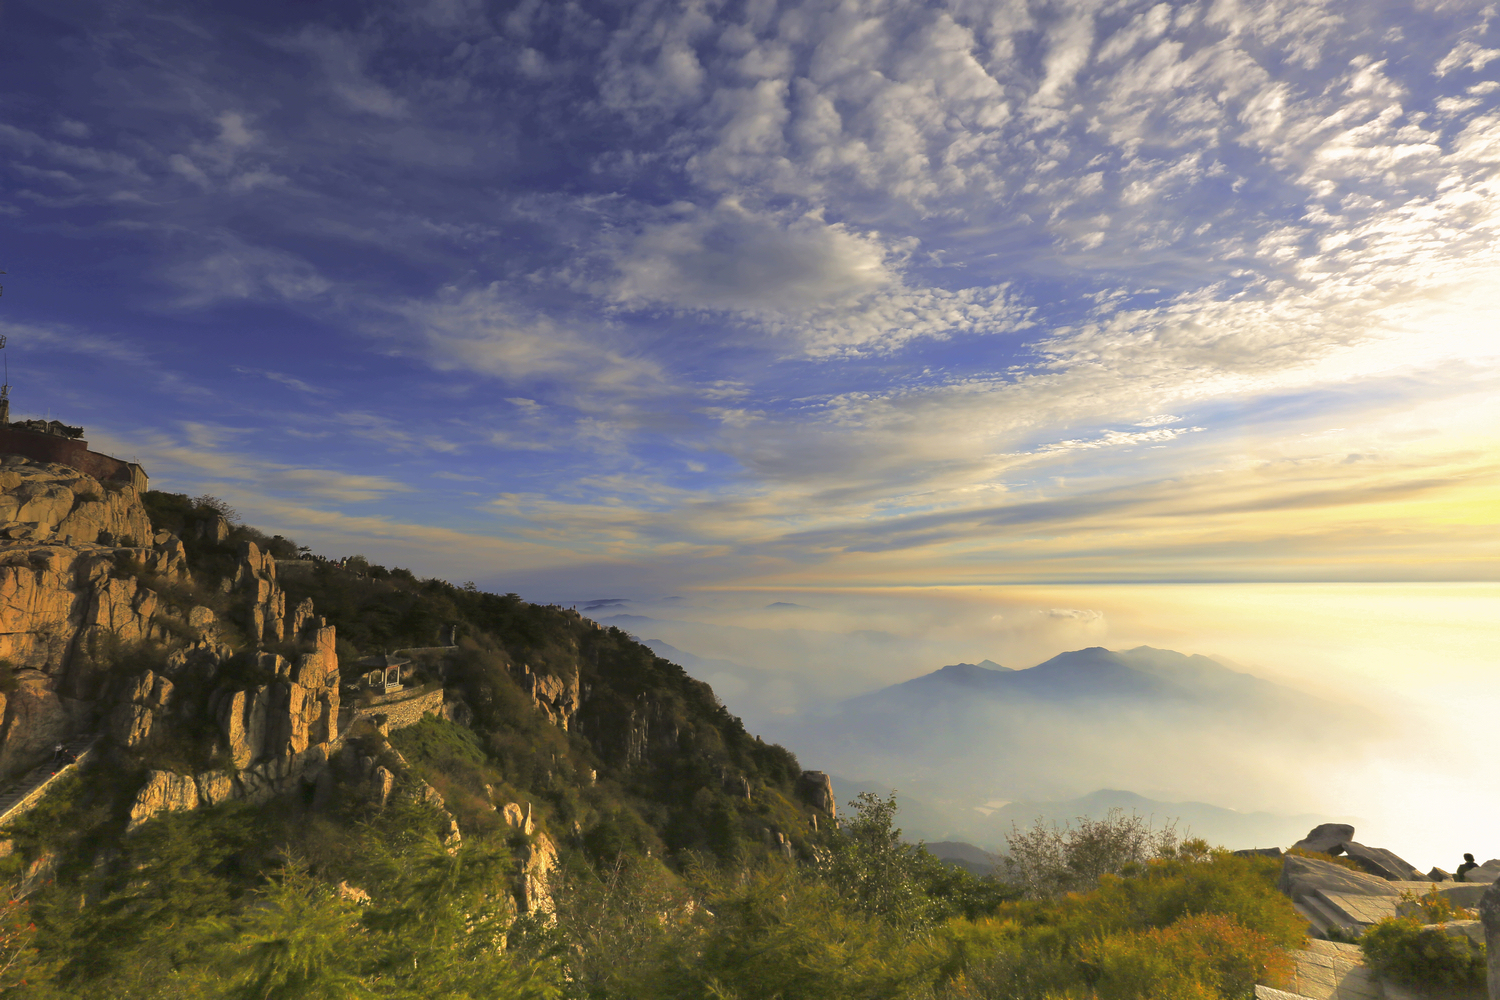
(953, 277)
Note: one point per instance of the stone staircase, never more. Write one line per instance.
(24, 793)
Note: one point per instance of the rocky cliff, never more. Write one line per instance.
(89, 590)
(209, 676)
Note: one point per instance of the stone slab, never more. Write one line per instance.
(1329, 970)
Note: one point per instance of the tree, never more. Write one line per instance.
(1048, 860)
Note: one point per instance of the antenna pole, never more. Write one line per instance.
(4, 389)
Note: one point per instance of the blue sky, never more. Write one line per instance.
(588, 299)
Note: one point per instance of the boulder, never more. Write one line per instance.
(816, 789)
(1438, 875)
(1379, 861)
(164, 791)
(1259, 852)
(215, 787)
(1302, 877)
(1485, 874)
(1327, 838)
(1473, 930)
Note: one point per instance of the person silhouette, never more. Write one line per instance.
(1463, 870)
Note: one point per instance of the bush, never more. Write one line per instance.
(1437, 907)
(1410, 952)
(1203, 956)
(1048, 861)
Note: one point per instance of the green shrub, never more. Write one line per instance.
(1408, 951)
(1048, 861)
(1437, 907)
(1200, 957)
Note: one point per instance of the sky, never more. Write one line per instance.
(722, 301)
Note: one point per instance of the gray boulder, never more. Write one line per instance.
(1302, 877)
(1327, 838)
(1379, 861)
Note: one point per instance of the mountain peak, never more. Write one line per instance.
(969, 672)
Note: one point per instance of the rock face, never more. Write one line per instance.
(1328, 838)
(70, 596)
(277, 734)
(264, 601)
(1301, 877)
(163, 792)
(1489, 916)
(538, 860)
(555, 697)
(49, 501)
(816, 789)
(298, 710)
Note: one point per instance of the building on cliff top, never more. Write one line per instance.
(54, 441)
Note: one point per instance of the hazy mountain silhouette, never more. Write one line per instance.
(1143, 675)
(1178, 727)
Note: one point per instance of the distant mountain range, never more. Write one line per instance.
(1179, 728)
(1097, 675)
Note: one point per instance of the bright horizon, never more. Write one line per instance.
(1176, 319)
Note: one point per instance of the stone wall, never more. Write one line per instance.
(71, 452)
(399, 712)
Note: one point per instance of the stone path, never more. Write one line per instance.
(1330, 970)
(18, 797)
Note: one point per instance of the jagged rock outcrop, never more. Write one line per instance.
(555, 697)
(538, 860)
(816, 789)
(282, 719)
(45, 501)
(135, 714)
(518, 819)
(1302, 877)
(163, 792)
(264, 602)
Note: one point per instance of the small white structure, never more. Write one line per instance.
(386, 673)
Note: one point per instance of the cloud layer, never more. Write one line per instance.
(872, 293)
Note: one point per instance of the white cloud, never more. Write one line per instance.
(832, 289)
(1465, 55)
(234, 270)
(483, 330)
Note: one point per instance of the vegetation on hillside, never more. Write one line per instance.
(687, 866)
